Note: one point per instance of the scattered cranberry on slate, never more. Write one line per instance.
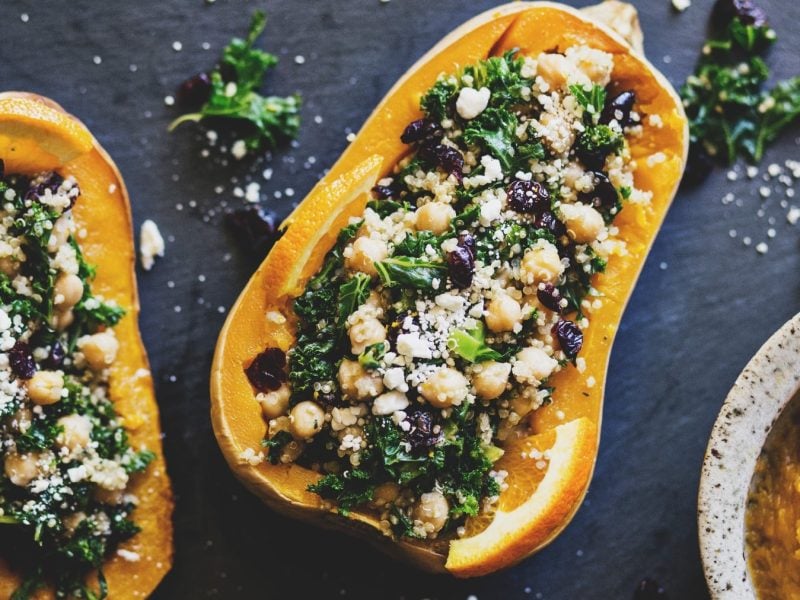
(255, 228)
(266, 372)
(21, 360)
(449, 159)
(421, 129)
(528, 197)
(604, 195)
(421, 434)
(622, 103)
(570, 337)
(194, 92)
(550, 297)
(648, 589)
(698, 166)
(56, 356)
(547, 220)
(460, 266)
(382, 192)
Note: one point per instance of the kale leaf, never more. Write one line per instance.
(470, 344)
(352, 294)
(494, 130)
(418, 273)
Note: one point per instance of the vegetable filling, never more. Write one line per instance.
(428, 337)
(67, 463)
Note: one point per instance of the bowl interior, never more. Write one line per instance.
(764, 388)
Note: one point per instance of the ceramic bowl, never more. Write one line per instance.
(769, 381)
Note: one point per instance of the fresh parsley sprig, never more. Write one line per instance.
(730, 114)
(231, 92)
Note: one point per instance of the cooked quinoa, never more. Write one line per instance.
(430, 333)
(66, 460)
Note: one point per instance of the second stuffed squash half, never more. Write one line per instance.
(421, 358)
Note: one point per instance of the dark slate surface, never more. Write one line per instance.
(704, 303)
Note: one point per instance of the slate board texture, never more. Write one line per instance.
(704, 304)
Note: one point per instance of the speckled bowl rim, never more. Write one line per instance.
(764, 388)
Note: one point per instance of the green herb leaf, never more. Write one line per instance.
(275, 444)
(418, 273)
(470, 344)
(352, 294)
(494, 130)
(372, 355)
(592, 100)
(275, 119)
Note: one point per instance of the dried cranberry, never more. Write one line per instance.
(21, 360)
(528, 197)
(619, 109)
(56, 356)
(266, 372)
(194, 92)
(467, 240)
(449, 159)
(603, 196)
(550, 297)
(570, 337)
(421, 434)
(255, 228)
(460, 266)
(648, 589)
(382, 191)
(698, 166)
(421, 129)
(549, 221)
(746, 10)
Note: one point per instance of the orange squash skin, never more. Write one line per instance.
(103, 210)
(262, 316)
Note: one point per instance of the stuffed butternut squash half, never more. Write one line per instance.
(85, 503)
(421, 358)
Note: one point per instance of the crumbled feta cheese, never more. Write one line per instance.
(387, 403)
(151, 244)
(681, 5)
(472, 102)
(411, 345)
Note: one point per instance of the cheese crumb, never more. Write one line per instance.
(681, 5)
(151, 244)
(472, 102)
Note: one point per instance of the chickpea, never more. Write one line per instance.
(554, 69)
(9, 266)
(385, 493)
(77, 431)
(72, 521)
(435, 217)
(292, 451)
(62, 319)
(45, 387)
(583, 222)
(278, 424)
(99, 349)
(503, 313)
(366, 252)
(540, 263)
(68, 291)
(110, 497)
(432, 510)
(275, 403)
(366, 332)
(306, 420)
(21, 469)
(356, 383)
(533, 365)
(521, 405)
(444, 388)
(491, 380)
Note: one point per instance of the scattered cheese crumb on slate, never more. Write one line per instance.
(151, 244)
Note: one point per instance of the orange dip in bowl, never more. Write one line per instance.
(772, 521)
